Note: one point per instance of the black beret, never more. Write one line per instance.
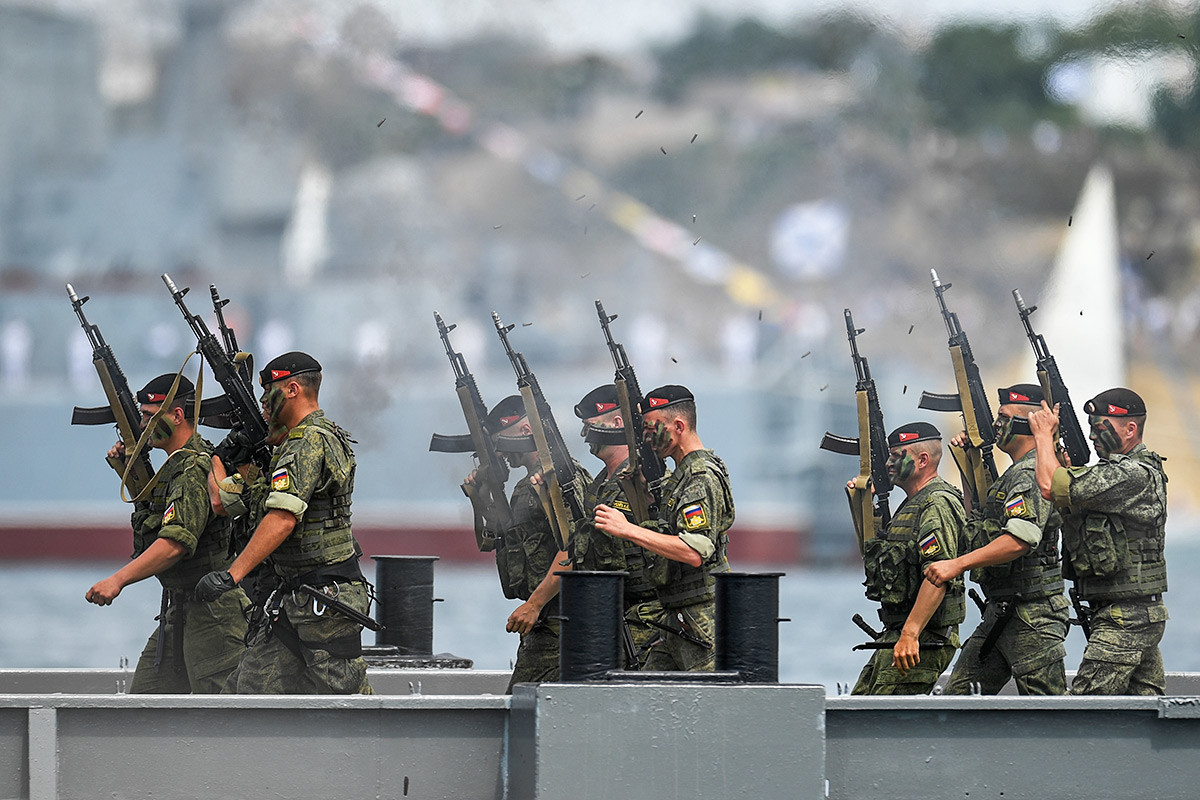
(913, 432)
(598, 401)
(287, 365)
(664, 396)
(157, 389)
(1116, 403)
(1025, 394)
(507, 411)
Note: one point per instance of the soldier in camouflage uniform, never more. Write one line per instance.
(591, 549)
(178, 538)
(1114, 529)
(926, 528)
(529, 554)
(1013, 555)
(304, 528)
(694, 519)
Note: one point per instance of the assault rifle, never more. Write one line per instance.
(976, 462)
(1069, 430)
(870, 447)
(642, 459)
(492, 512)
(244, 361)
(122, 405)
(248, 439)
(558, 470)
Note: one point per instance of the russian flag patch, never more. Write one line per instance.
(1015, 507)
(929, 546)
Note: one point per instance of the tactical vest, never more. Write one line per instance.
(212, 544)
(323, 536)
(528, 549)
(1035, 575)
(595, 550)
(681, 584)
(1114, 557)
(893, 564)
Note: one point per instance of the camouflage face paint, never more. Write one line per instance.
(901, 465)
(163, 430)
(1104, 437)
(1004, 430)
(273, 402)
(659, 437)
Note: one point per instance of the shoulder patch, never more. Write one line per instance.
(929, 546)
(694, 517)
(280, 480)
(169, 514)
(296, 433)
(1016, 507)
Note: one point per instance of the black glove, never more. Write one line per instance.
(235, 449)
(213, 585)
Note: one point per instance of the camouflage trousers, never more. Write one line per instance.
(1122, 655)
(270, 667)
(880, 676)
(644, 635)
(1030, 651)
(537, 656)
(674, 653)
(213, 640)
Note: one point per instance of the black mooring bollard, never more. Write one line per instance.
(748, 625)
(591, 615)
(404, 592)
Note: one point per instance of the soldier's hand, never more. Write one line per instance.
(470, 479)
(523, 619)
(907, 653)
(610, 521)
(941, 572)
(213, 585)
(104, 592)
(961, 440)
(1044, 421)
(536, 479)
(117, 450)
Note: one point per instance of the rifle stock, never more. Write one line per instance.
(122, 406)
(870, 447)
(558, 469)
(643, 497)
(976, 462)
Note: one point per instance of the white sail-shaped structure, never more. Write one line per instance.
(1079, 308)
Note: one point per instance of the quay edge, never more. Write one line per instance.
(455, 735)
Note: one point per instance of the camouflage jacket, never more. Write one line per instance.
(178, 509)
(698, 507)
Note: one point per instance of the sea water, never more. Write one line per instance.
(45, 622)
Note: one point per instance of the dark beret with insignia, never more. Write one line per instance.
(506, 413)
(664, 396)
(1025, 394)
(913, 432)
(1116, 403)
(156, 390)
(598, 401)
(286, 366)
